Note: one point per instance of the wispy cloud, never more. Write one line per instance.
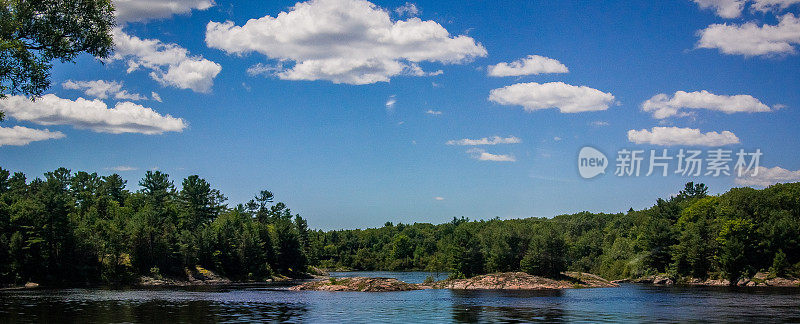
(482, 155)
(102, 89)
(433, 112)
(765, 177)
(494, 140)
(390, 103)
(122, 168)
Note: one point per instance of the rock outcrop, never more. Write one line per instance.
(761, 279)
(357, 284)
(194, 277)
(524, 281)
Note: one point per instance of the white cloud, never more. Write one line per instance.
(557, 139)
(531, 65)
(438, 198)
(773, 5)
(724, 8)
(122, 168)
(766, 177)
(156, 96)
(494, 140)
(750, 39)
(482, 155)
(390, 103)
(434, 112)
(170, 64)
(102, 89)
(733, 8)
(344, 41)
(567, 98)
(669, 136)
(19, 135)
(409, 9)
(143, 10)
(125, 117)
(599, 123)
(662, 106)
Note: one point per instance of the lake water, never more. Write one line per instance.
(629, 303)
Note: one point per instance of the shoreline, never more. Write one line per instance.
(496, 281)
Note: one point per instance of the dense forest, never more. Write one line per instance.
(80, 228)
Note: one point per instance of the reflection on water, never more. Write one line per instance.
(630, 303)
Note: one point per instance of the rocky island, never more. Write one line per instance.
(495, 281)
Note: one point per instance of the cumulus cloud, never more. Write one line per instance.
(482, 155)
(434, 112)
(662, 106)
(169, 64)
(750, 39)
(668, 136)
(343, 41)
(102, 89)
(494, 140)
(19, 135)
(773, 5)
(531, 65)
(438, 198)
(765, 177)
(724, 8)
(143, 10)
(567, 98)
(156, 96)
(125, 117)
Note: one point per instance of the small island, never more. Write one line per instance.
(493, 281)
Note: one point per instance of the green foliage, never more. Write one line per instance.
(687, 236)
(81, 227)
(735, 244)
(546, 254)
(34, 33)
(779, 264)
(465, 255)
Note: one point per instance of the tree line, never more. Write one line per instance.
(74, 228)
(690, 235)
(81, 228)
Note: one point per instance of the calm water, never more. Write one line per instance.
(629, 303)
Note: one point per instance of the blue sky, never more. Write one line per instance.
(328, 144)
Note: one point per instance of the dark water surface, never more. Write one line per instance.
(629, 303)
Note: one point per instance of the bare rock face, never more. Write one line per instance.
(659, 280)
(524, 281)
(193, 277)
(498, 281)
(783, 282)
(357, 284)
